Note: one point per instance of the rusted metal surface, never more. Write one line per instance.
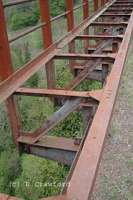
(70, 26)
(109, 24)
(109, 57)
(84, 37)
(9, 86)
(5, 56)
(6, 70)
(54, 148)
(19, 77)
(70, 16)
(4, 197)
(58, 143)
(120, 9)
(60, 197)
(85, 9)
(47, 40)
(16, 2)
(102, 2)
(45, 18)
(119, 5)
(109, 54)
(49, 92)
(95, 5)
(7, 197)
(88, 67)
(115, 15)
(14, 118)
(88, 162)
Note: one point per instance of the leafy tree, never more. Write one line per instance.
(29, 14)
(24, 15)
(57, 7)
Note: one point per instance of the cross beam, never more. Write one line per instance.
(76, 56)
(58, 92)
(85, 37)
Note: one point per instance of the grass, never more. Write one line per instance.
(46, 178)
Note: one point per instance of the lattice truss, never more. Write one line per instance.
(106, 37)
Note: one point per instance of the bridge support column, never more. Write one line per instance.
(6, 70)
(47, 41)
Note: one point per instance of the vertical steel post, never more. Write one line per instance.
(102, 2)
(70, 26)
(14, 119)
(85, 15)
(115, 47)
(6, 70)
(5, 58)
(85, 9)
(70, 15)
(47, 40)
(96, 29)
(105, 71)
(95, 5)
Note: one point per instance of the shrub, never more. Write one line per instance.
(24, 15)
(22, 20)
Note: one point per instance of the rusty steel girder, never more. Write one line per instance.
(113, 26)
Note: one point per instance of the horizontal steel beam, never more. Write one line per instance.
(123, 2)
(8, 197)
(16, 2)
(109, 24)
(60, 197)
(91, 50)
(116, 15)
(61, 156)
(58, 92)
(59, 149)
(119, 9)
(76, 56)
(85, 37)
(121, 5)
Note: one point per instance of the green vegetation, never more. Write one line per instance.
(71, 127)
(57, 7)
(29, 14)
(10, 162)
(23, 16)
(41, 178)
